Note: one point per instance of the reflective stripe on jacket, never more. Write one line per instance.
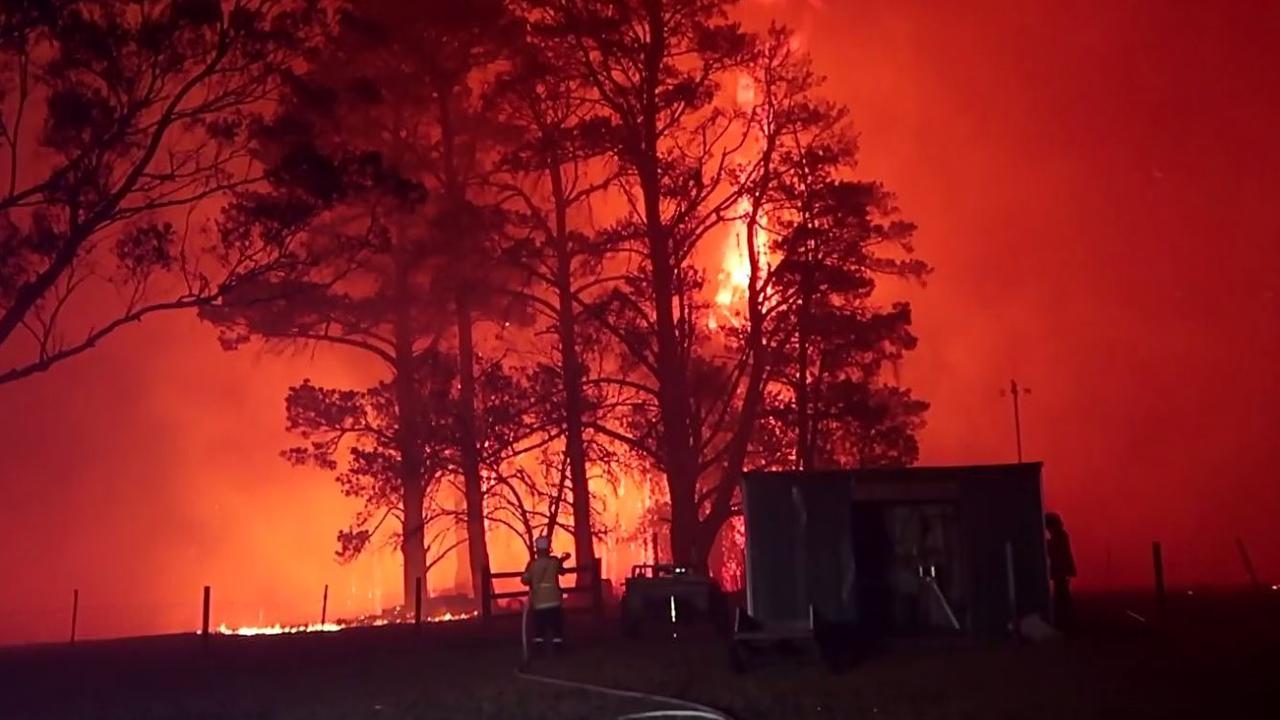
(543, 578)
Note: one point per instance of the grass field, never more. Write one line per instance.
(1216, 657)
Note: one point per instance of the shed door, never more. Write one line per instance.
(924, 565)
(774, 592)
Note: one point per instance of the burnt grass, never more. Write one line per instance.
(1214, 656)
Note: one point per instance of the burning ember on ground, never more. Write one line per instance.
(372, 621)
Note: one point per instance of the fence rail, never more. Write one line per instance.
(594, 586)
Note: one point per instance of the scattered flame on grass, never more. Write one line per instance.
(251, 630)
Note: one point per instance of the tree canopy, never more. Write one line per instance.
(585, 241)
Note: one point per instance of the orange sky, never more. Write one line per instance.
(1093, 184)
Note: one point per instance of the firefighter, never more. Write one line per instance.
(542, 576)
(1062, 568)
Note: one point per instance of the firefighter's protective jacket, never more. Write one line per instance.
(543, 578)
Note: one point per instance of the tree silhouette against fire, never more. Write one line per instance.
(523, 210)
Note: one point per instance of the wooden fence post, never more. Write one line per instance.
(324, 605)
(597, 593)
(1157, 563)
(485, 589)
(417, 603)
(75, 612)
(1248, 565)
(204, 617)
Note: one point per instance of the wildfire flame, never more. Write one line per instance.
(735, 268)
(732, 269)
(252, 630)
(735, 264)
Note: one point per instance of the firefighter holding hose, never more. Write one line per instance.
(542, 576)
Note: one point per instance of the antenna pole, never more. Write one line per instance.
(1015, 391)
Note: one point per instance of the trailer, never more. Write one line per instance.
(836, 556)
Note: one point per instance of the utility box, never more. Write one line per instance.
(897, 551)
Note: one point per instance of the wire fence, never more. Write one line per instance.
(79, 614)
(82, 614)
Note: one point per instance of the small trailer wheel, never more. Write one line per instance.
(739, 661)
(630, 617)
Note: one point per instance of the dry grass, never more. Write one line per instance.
(1213, 661)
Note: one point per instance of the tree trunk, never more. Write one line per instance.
(572, 377)
(462, 569)
(721, 508)
(673, 397)
(575, 444)
(477, 545)
(804, 423)
(409, 439)
(412, 548)
(473, 490)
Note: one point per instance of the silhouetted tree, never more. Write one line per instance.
(832, 236)
(397, 90)
(118, 121)
(550, 169)
(359, 435)
(691, 164)
(525, 483)
(511, 129)
(655, 68)
(442, 53)
(778, 86)
(345, 174)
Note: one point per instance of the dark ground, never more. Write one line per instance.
(1218, 656)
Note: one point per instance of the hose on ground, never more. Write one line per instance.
(682, 709)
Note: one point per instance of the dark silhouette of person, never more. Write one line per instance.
(1062, 568)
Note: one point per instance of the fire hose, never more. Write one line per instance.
(682, 709)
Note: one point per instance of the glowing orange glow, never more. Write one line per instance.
(733, 575)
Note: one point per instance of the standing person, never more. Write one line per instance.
(542, 576)
(1062, 568)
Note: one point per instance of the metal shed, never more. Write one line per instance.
(894, 551)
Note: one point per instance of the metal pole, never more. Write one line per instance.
(1017, 417)
(1157, 562)
(946, 606)
(324, 605)
(204, 616)
(75, 611)
(1013, 588)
